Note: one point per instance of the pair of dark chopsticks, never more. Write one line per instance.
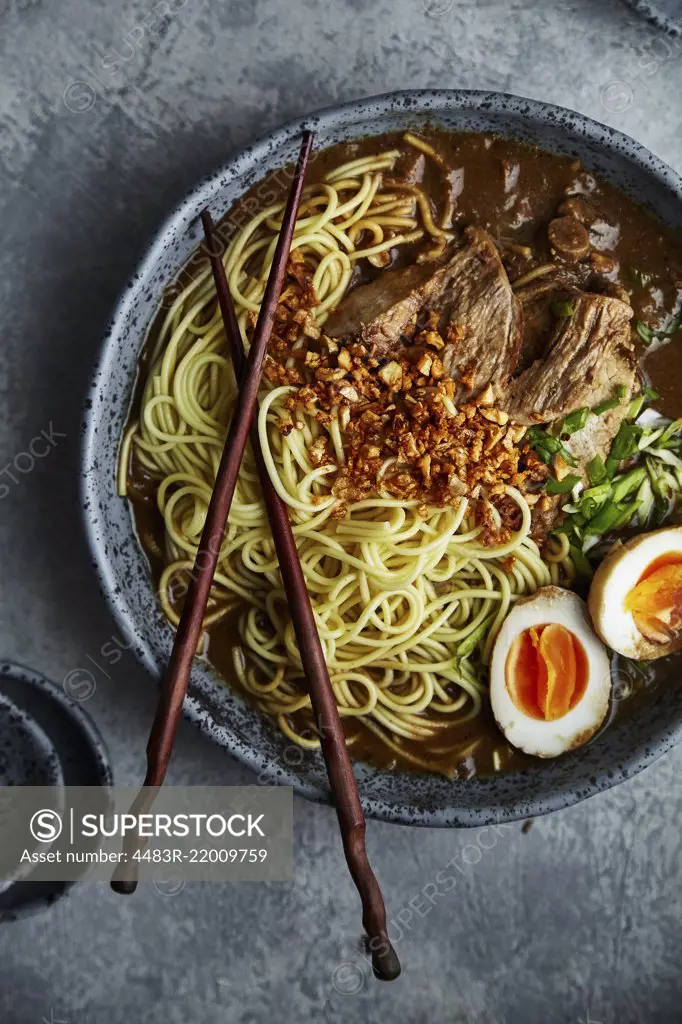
(341, 779)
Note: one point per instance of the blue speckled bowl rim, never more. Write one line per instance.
(533, 792)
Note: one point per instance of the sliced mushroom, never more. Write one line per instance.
(602, 263)
(579, 208)
(568, 238)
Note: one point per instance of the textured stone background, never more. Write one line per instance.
(578, 920)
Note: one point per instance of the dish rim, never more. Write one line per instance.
(418, 102)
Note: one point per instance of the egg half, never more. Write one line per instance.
(635, 599)
(550, 675)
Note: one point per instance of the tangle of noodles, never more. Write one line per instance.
(408, 602)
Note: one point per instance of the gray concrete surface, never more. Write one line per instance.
(580, 919)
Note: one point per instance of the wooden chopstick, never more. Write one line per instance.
(341, 779)
(188, 634)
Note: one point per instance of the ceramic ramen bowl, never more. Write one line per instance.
(221, 712)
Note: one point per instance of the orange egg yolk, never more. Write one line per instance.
(546, 671)
(656, 600)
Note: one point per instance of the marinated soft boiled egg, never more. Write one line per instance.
(549, 676)
(636, 595)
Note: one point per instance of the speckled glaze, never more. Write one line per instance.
(665, 14)
(27, 755)
(46, 739)
(220, 711)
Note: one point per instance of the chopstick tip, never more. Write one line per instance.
(123, 886)
(385, 962)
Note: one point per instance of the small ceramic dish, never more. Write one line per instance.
(46, 739)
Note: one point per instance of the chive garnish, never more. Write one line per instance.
(580, 561)
(645, 333)
(610, 403)
(635, 407)
(564, 486)
(627, 483)
(574, 422)
(596, 470)
(649, 334)
(562, 309)
(546, 446)
(604, 520)
(626, 442)
(644, 493)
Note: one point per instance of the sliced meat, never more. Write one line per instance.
(598, 433)
(618, 370)
(409, 169)
(482, 313)
(381, 312)
(473, 298)
(587, 351)
(538, 305)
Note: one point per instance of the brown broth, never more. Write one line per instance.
(481, 169)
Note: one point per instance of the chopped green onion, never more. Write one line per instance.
(564, 486)
(547, 446)
(635, 407)
(628, 482)
(621, 391)
(588, 510)
(626, 442)
(628, 510)
(666, 440)
(660, 487)
(645, 333)
(651, 394)
(605, 520)
(597, 494)
(580, 561)
(645, 502)
(610, 403)
(574, 422)
(643, 493)
(649, 437)
(596, 470)
(471, 642)
(665, 455)
(562, 309)
(649, 334)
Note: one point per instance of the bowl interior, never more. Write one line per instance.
(629, 745)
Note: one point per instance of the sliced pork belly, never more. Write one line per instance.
(478, 312)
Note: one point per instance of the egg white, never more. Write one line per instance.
(533, 735)
(620, 571)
